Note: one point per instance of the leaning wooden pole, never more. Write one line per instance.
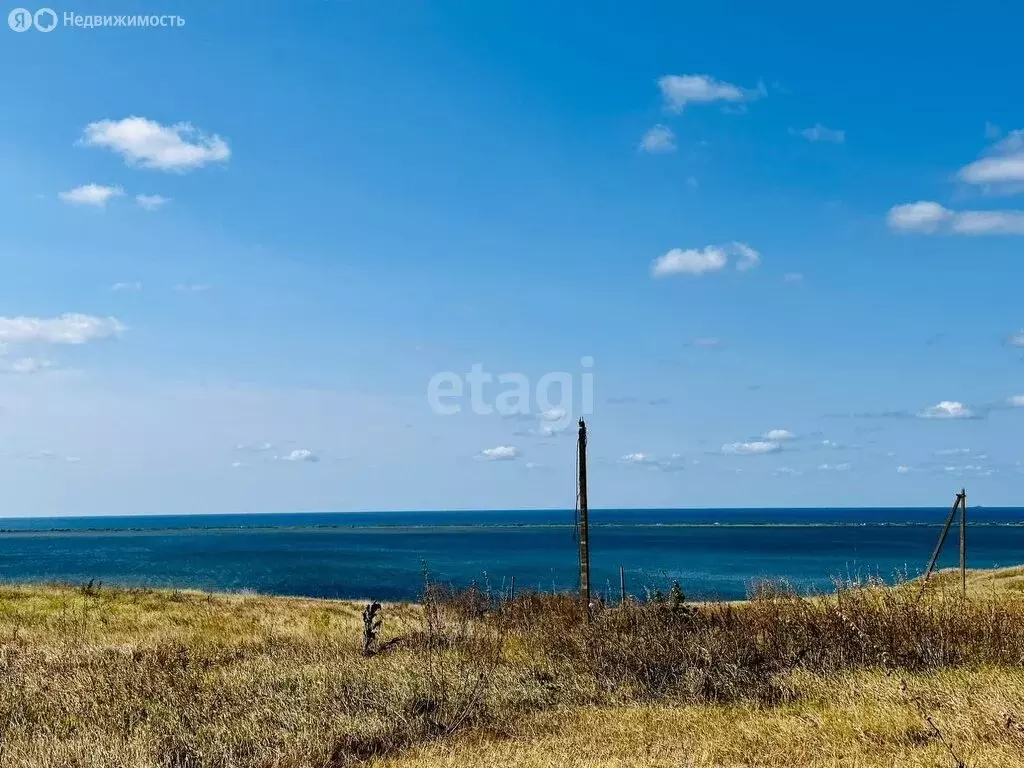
(963, 540)
(584, 517)
(938, 547)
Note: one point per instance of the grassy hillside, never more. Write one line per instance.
(869, 677)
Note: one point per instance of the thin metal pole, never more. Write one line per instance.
(584, 517)
(512, 590)
(963, 540)
(938, 547)
(622, 585)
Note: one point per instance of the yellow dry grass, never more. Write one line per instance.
(862, 719)
(105, 678)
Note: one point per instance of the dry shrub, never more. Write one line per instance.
(723, 652)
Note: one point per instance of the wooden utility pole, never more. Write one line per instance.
(963, 540)
(960, 503)
(584, 516)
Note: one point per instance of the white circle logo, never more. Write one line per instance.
(45, 19)
(20, 19)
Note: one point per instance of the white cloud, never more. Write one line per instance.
(922, 216)
(658, 139)
(152, 202)
(192, 287)
(835, 467)
(947, 409)
(747, 257)
(792, 277)
(1017, 401)
(787, 471)
(989, 223)
(550, 430)
(706, 342)
(71, 328)
(637, 458)
(969, 469)
(254, 447)
(553, 414)
(30, 365)
(179, 147)
(952, 451)
(690, 261)
(52, 456)
(1016, 339)
(680, 90)
(931, 218)
(819, 132)
(1002, 167)
(499, 453)
(778, 434)
(903, 469)
(90, 194)
(674, 462)
(752, 448)
(711, 258)
(127, 287)
(300, 454)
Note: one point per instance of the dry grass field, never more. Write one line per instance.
(93, 676)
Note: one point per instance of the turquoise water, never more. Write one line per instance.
(713, 553)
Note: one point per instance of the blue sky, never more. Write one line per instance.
(236, 253)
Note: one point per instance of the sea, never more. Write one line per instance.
(713, 553)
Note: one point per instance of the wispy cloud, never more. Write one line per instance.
(819, 132)
(1016, 339)
(700, 261)
(637, 458)
(671, 463)
(680, 90)
(152, 202)
(1001, 170)
(843, 467)
(70, 328)
(299, 455)
(658, 140)
(96, 195)
(952, 452)
(133, 286)
(752, 448)
(705, 342)
(930, 218)
(179, 147)
(26, 365)
(746, 257)
(193, 287)
(947, 409)
(499, 453)
(257, 447)
(778, 434)
(792, 277)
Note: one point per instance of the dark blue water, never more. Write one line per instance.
(713, 553)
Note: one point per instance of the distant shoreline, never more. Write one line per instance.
(398, 527)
